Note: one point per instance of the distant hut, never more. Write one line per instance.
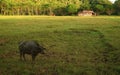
(86, 13)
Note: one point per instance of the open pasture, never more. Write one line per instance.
(75, 45)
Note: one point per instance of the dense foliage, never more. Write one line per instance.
(57, 7)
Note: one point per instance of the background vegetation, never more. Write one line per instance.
(57, 7)
(75, 45)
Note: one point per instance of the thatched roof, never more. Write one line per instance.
(86, 13)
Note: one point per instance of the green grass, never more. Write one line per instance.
(75, 45)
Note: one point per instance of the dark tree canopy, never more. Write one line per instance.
(117, 7)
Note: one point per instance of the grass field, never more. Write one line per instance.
(75, 45)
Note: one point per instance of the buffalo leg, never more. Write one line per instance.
(33, 57)
(21, 55)
(24, 56)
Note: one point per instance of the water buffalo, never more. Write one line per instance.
(30, 47)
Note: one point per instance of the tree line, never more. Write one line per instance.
(58, 7)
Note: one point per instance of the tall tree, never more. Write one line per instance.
(85, 5)
(71, 9)
(100, 6)
(99, 9)
(109, 9)
(117, 7)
